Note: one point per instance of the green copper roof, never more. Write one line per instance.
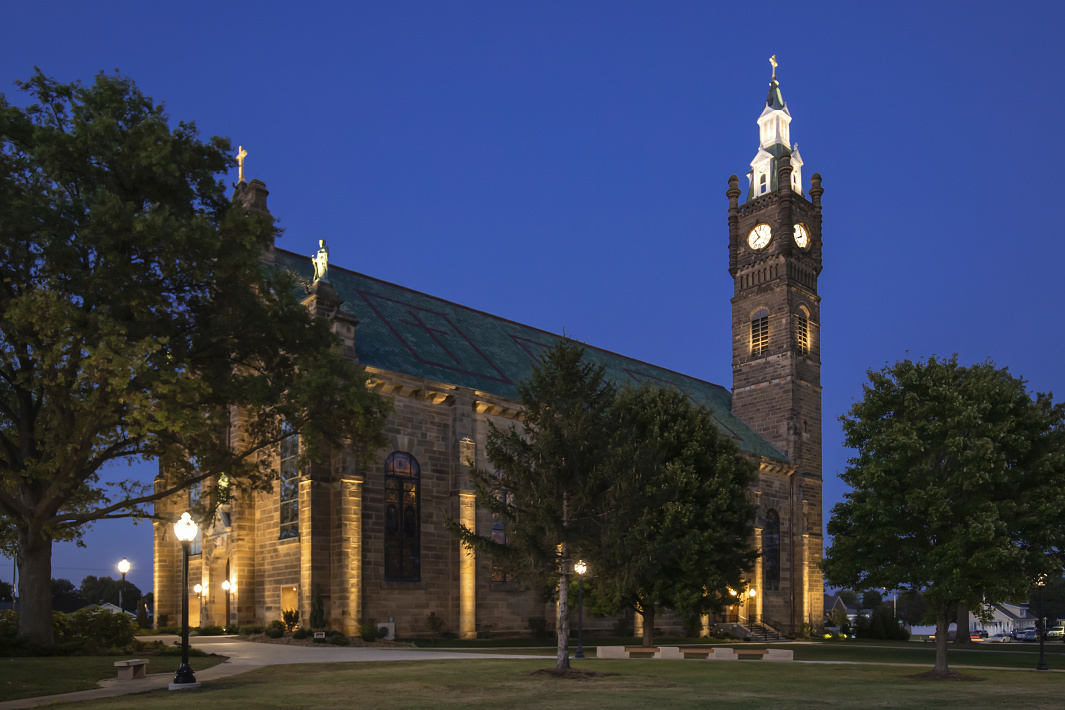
(774, 100)
(405, 331)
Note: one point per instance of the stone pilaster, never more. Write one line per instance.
(468, 570)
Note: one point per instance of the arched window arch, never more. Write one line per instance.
(761, 184)
(760, 331)
(403, 527)
(771, 551)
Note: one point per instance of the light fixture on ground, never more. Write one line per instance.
(185, 531)
(123, 567)
(580, 568)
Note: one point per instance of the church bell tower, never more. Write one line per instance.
(775, 261)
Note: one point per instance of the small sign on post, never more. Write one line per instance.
(319, 634)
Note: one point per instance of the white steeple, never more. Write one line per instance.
(774, 132)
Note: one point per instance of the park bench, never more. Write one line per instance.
(132, 669)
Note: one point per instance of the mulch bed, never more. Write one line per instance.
(355, 641)
(949, 676)
(571, 673)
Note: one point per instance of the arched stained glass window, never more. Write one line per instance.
(402, 518)
(771, 551)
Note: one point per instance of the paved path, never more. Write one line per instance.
(245, 656)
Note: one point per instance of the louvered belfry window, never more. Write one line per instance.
(403, 562)
(802, 333)
(760, 332)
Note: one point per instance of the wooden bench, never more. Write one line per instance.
(132, 669)
(641, 649)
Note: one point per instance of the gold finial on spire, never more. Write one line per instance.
(241, 155)
(773, 61)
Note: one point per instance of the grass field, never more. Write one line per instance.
(636, 684)
(30, 677)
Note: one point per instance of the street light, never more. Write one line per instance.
(185, 530)
(1042, 623)
(123, 567)
(580, 568)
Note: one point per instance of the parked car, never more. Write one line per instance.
(999, 638)
(1056, 632)
(1027, 635)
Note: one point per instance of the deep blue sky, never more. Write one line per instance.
(564, 164)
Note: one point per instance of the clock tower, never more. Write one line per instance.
(775, 260)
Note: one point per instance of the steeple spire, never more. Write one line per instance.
(774, 128)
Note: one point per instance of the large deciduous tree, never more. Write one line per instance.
(957, 487)
(677, 524)
(547, 478)
(135, 315)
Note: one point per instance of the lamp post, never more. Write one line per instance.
(226, 586)
(185, 531)
(580, 568)
(1042, 624)
(123, 567)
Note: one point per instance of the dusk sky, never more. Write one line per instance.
(564, 165)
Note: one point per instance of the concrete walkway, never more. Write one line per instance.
(246, 656)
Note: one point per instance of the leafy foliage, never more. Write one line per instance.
(957, 487)
(101, 590)
(676, 523)
(134, 315)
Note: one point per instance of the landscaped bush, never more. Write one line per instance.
(435, 624)
(538, 626)
(368, 632)
(105, 629)
(250, 630)
(210, 631)
(301, 633)
(275, 629)
(290, 617)
(339, 639)
(169, 630)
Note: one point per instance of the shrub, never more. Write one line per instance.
(103, 628)
(210, 631)
(275, 629)
(435, 623)
(301, 633)
(9, 623)
(538, 627)
(339, 639)
(176, 630)
(368, 632)
(485, 633)
(162, 620)
(693, 625)
(250, 630)
(290, 617)
(142, 617)
(317, 609)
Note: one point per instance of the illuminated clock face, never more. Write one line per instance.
(802, 237)
(760, 236)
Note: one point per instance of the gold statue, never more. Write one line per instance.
(241, 155)
(773, 61)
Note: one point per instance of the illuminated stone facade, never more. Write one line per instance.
(376, 551)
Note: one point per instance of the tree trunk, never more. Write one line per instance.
(562, 622)
(962, 637)
(942, 624)
(648, 613)
(35, 585)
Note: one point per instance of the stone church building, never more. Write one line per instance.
(370, 536)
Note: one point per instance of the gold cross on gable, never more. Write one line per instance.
(241, 155)
(773, 61)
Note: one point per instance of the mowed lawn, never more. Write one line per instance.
(30, 677)
(630, 684)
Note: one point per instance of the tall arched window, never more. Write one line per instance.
(403, 562)
(761, 185)
(771, 551)
(760, 332)
(290, 487)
